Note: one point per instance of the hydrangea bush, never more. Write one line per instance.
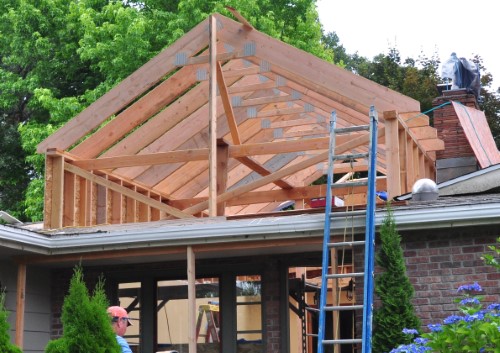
(475, 329)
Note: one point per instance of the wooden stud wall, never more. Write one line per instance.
(407, 159)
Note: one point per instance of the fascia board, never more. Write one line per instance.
(24, 240)
(272, 228)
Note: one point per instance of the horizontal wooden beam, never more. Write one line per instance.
(143, 159)
(297, 193)
(204, 59)
(235, 151)
(150, 252)
(266, 100)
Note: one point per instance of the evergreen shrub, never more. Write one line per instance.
(5, 344)
(86, 324)
(394, 290)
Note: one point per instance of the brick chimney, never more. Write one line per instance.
(457, 158)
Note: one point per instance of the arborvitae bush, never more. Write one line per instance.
(86, 324)
(394, 290)
(5, 345)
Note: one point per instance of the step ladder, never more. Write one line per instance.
(369, 242)
(211, 311)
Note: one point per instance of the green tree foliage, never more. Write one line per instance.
(86, 324)
(493, 259)
(394, 290)
(59, 56)
(416, 78)
(5, 344)
(490, 102)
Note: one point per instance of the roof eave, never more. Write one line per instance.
(237, 231)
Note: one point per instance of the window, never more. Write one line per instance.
(129, 298)
(248, 313)
(172, 315)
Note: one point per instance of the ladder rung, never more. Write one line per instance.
(345, 275)
(343, 307)
(350, 156)
(346, 244)
(311, 335)
(344, 130)
(312, 309)
(350, 183)
(343, 341)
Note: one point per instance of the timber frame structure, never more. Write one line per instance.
(225, 121)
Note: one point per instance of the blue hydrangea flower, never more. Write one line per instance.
(411, 348)
(452, 319)
(420, 340)
(470, 288)
(466, 301)
(410, 331)
(471, 318)
(494, 306)
(435, 327)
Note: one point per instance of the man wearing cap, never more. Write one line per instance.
(120, 321)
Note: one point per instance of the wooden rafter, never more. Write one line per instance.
(125, 92)
(150, 143)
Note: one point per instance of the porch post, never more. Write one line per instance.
(191, 277)
(20, 298)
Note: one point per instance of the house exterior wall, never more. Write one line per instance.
(37, 305)
(438, 261)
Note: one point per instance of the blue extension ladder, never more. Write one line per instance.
(369, 242)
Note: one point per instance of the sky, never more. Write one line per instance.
(414, 27)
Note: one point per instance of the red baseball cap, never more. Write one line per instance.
(119, 313)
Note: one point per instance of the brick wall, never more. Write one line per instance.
(448, 126)
(438, 262)
(60, 280)
(271, 301)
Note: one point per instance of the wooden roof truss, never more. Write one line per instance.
(225, 121)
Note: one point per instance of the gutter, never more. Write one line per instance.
(412, 217)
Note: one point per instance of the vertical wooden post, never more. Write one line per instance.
(222, 159)
(392, 154)
(412, 163)
(191, 277)
(116, 206)
(69, 199)
(20, 301)
(403, 160)
(54, 190)
(212, 125)
(82, 200)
